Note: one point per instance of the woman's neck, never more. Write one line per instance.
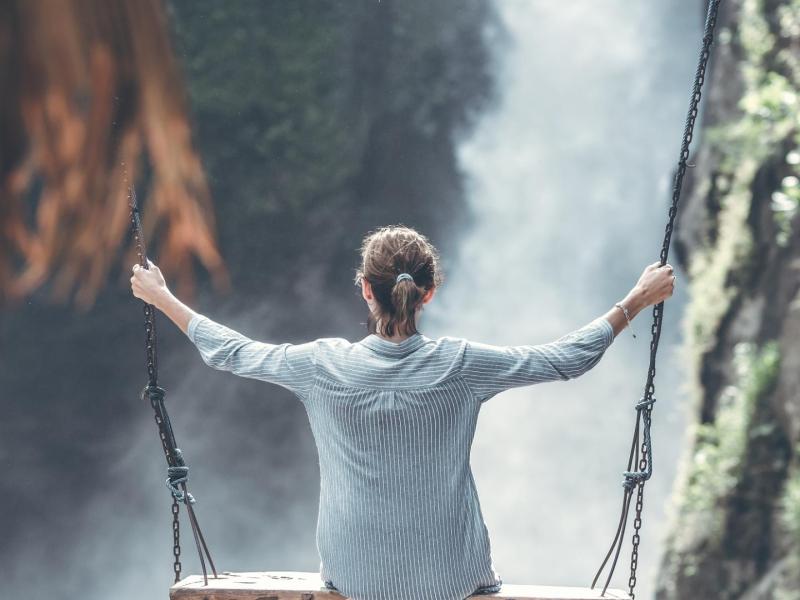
(395, 338)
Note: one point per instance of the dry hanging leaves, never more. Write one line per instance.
(91, 100)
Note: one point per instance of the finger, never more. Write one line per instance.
(136, 267)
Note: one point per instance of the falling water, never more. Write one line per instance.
(569, 182)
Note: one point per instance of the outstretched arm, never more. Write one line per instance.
(490, 369)
(289, 365)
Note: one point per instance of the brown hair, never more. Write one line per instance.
(385, 253)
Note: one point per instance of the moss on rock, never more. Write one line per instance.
(736, 506)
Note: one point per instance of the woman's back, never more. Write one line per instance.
(399, 516)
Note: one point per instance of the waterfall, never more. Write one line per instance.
(569, 179)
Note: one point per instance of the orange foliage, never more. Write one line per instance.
(91, 100)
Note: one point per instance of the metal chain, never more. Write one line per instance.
(176, 525)
(152, 378)
(176, 539)
(637, 521)
(176, 467)
(150, 343)
(149, 312)
(658, 312)
(636, 479)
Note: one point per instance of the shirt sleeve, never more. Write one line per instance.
(292, 366)
(490, 369)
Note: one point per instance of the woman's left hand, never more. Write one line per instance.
(148, 284)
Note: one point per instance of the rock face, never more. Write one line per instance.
(735, 530)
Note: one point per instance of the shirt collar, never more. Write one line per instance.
(394, 349)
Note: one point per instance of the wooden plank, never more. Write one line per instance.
(290, 585)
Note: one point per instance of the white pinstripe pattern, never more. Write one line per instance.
(399, 516)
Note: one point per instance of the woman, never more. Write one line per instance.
(394, 414)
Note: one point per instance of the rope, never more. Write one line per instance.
(176, 476)
(634, 480)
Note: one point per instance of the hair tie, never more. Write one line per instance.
(403, 276)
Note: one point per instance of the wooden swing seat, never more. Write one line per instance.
(290, 585)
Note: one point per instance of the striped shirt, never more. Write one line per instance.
(399, 516)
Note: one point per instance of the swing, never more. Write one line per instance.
(306, 586)
(289, 585)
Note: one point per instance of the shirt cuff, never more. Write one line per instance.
(608, 329)
(193, 322)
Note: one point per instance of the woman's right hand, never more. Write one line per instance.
(656, 283)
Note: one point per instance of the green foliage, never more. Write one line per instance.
(711, 282)
(721, 444)
(770, 113)
(790, 508)
(785, 203)
(770, 104)
(788, 16)
(266, 82)
(284, 93)
(788, 587)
